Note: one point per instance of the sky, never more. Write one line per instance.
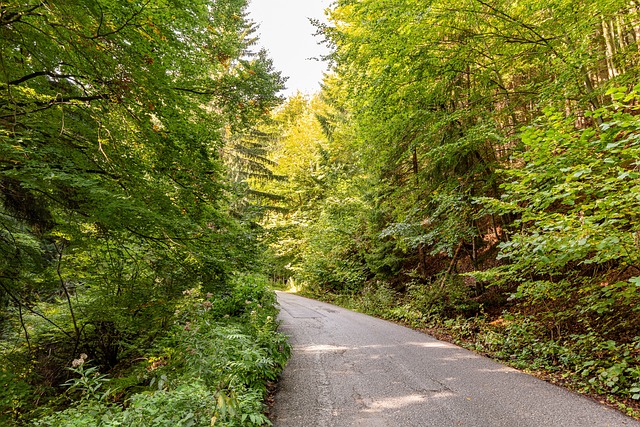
(286, 33)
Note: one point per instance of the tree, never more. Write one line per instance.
(114, 196)
(438, 92)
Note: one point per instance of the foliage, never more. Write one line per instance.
(435, 93)
(89, 382)
(211, 369)
(479, 164)
(14, 396)
(577, 206)
(315, 236)
(111, 181)
(116, 196)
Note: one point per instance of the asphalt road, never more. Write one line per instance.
(349, 369)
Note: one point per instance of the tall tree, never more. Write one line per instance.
(438, 93)
(113, 194)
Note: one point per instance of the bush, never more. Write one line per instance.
(442, 299)
(576, 199)
(212, 367)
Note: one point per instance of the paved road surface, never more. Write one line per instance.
(348, 369)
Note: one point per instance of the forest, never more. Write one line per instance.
(469, 168)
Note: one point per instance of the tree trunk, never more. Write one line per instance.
(610, 49)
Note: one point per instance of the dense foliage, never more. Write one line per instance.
(211, 368)
(116, 128)
(477, 160)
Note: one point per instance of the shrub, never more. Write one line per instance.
(211, 368)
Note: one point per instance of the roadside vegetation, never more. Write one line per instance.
(212, 366)
(131, 284)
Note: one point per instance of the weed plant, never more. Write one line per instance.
(211, 368)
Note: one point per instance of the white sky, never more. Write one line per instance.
(286, 33)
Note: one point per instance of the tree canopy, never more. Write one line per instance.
(468, 165)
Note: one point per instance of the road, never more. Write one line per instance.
(349, 369)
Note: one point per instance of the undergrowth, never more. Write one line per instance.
(212, 368)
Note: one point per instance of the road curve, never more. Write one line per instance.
(349, 369)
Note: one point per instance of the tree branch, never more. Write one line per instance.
(196, 91)
(39, 74)
(66, 292)
(8, 18)
(58, 100)
(123, 26)
(30, 310)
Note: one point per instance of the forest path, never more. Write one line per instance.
(349, 369)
